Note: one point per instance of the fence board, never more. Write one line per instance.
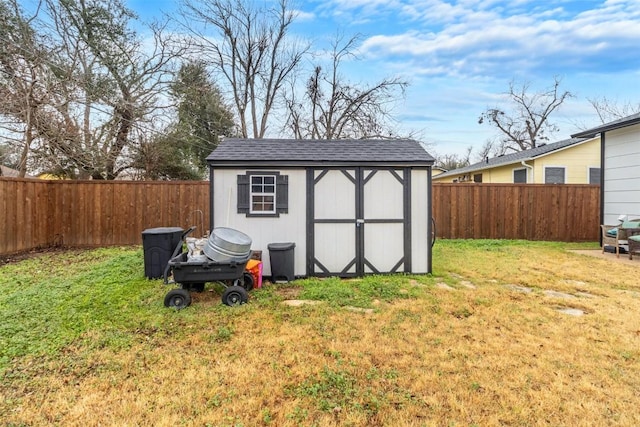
(38, 213)
(517, 211)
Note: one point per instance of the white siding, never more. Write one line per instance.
(622, 174)
(337, 194)
(383, 197)
(334, 242)
(335, 246)
(289, 227)
(419, 239)
(384, 246)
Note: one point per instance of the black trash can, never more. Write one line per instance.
(281, 256)
(158, 245)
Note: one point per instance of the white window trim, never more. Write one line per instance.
(564, 168)
(252, 194)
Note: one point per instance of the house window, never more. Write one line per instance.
(554, 175)
(263, 193)
(520, 176)
(594, 176)
(477, 177)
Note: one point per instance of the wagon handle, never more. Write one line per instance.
(176, 250)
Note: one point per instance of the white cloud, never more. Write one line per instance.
(485, 41)
(302, 16)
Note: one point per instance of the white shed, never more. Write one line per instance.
(620, 166)
(352, 207)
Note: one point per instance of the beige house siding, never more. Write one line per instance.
(576, 161)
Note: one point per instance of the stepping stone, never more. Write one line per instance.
(468, 284)
(299, 302)
(585, 295)
(361, 310)
(517, 288)
(572, 311)
(556, 294)
(574, 282)
(418, 284)
(444, 286)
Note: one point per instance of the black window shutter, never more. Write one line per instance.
(282, 193)
(243, 193)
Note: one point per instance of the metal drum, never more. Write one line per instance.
(227, 245)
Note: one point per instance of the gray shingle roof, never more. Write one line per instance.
(616, 124)
(257, 152)
(513, 157)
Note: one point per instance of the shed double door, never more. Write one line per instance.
(358, 221)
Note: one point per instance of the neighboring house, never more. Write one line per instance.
(620, 154)
(351, 207)
(8, 172)
(436, 170)
(572, 161)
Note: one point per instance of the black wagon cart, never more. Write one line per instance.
(192, 274)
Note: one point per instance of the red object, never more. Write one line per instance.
(255, 268)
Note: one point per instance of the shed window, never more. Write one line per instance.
(477, 177)
(554, 175)
(263, 193)
(520, 176)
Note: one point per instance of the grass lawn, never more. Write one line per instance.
(85, 340)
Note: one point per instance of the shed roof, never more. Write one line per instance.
(306, 152)
(516, 157)
(616, 124)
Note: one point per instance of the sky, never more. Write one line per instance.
(459, 56)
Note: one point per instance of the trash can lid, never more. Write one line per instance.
(281, 246)
(162, 230)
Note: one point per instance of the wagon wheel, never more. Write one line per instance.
(177, 298)
(235, 295)
(246, 281)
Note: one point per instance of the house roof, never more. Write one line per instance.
(512, 158)
(616, 124)
(305, 152)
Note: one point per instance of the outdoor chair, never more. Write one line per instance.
(621, 236)
(633, 238)
(610, 240)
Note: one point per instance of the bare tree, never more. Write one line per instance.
(454, 161)
(334, 108)
(81, 84)
(24, 85)
(118, 76)
(526, 122)
(252, 52)
(609, 110)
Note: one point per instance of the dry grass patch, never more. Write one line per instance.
(424, 356)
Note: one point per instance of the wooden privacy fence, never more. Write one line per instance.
(569, 213)
(37, 213)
